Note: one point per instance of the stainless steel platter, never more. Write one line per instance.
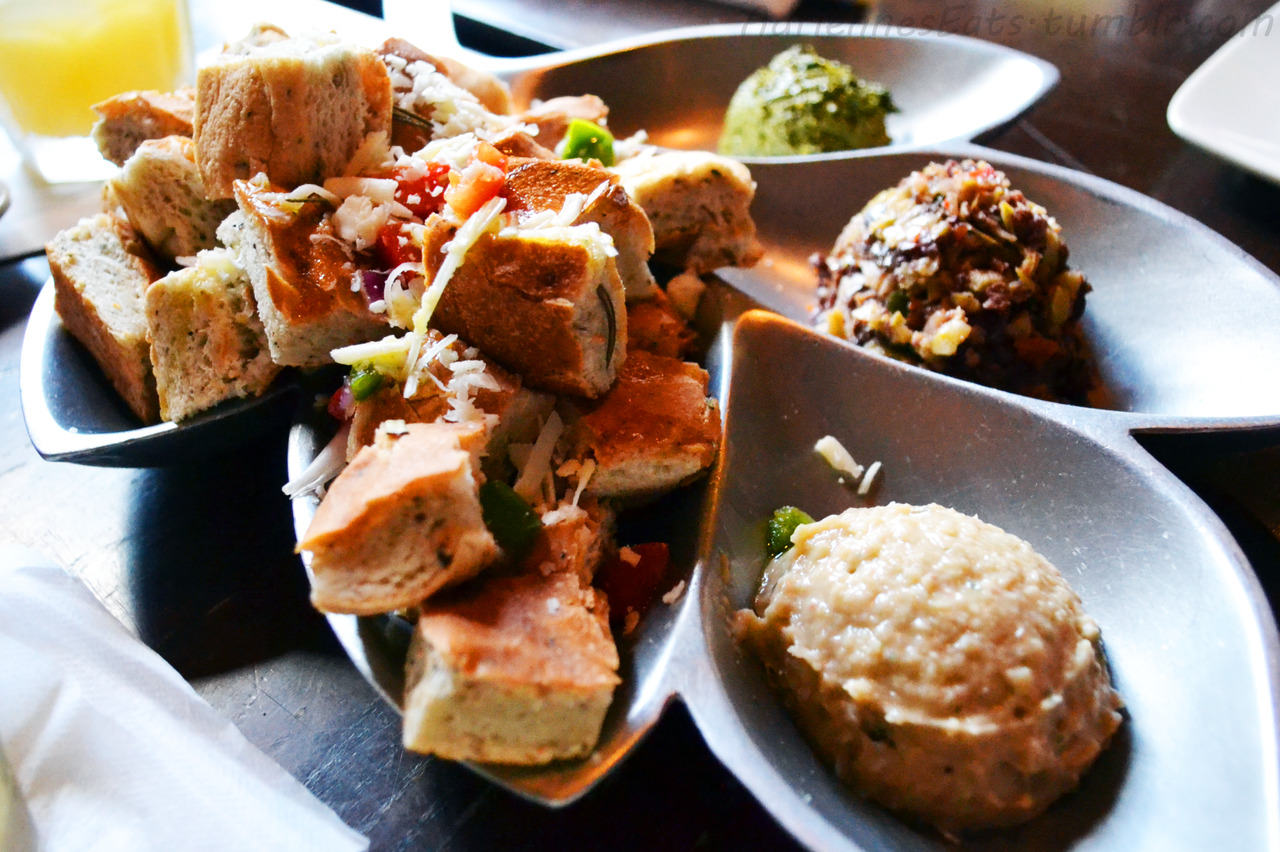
(1187, 329)
(947, 86)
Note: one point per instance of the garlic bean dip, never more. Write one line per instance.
(944, 667)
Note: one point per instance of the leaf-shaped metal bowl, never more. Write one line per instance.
(675, 84)
(1187, 329)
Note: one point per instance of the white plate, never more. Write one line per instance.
(1230, 106)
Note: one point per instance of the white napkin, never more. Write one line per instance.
(113, 750)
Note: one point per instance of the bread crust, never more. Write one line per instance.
(654, 326)
(538, 307)
(699, 205)
(100, 272)
(401, 521)
(294, 109)
(654, 431)
(301, 277)
(536, 184)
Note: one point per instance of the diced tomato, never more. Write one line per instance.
(394, 247)
(478, 183)
(634, 588)
(422, 191)
(342, 404)
(487, 153)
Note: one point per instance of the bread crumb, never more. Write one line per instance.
(629, 556)
(685, 292)
(676, 592)
(629, 622)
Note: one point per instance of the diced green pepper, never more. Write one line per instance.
(781, 527)
(585, 141)
(900, 302)
(513, 522)
(364, 383)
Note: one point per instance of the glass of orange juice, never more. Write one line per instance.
(59, 57)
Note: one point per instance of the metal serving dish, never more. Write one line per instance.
(1186, 328)
(948, 87)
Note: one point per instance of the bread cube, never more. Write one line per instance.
(127, 120)
(537, 184)
(699, 205)
(401, 521)
(511, 669)
(296, 109)
(548, 308)
(655, 429)
(161, 192)
(100, 273)
(301, 276)
(207, 343)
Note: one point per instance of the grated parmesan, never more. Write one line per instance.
(837, 456)
(327, 464)
(865, 486)
(537, 467)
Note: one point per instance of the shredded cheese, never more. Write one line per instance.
(385, 355)
(837, 456)
(864, 487)
(455, 251)
(327, 464)
(538, 465)
(585, 473)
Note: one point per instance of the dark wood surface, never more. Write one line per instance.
(198, 559)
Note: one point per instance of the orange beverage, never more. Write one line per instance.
(59, 57)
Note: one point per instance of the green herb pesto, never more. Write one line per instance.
(801, 103)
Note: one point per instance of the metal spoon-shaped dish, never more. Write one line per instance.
(1187, 330)
(72, 414)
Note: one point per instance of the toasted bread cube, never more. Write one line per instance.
(295, 108)
(517, 143)
(655, 326)
(513, 669)
(575, 539)
(161, 192)
(534, 185)
(655, 430)
(301, 277)
(699, 205)
(550, 309)
(552, 117)
(389, 403)
(207, 343)
(494, 396)
(401, 522)
(129, 119)
(490, 92)
(100, 273)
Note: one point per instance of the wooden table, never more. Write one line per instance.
(198, 559)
